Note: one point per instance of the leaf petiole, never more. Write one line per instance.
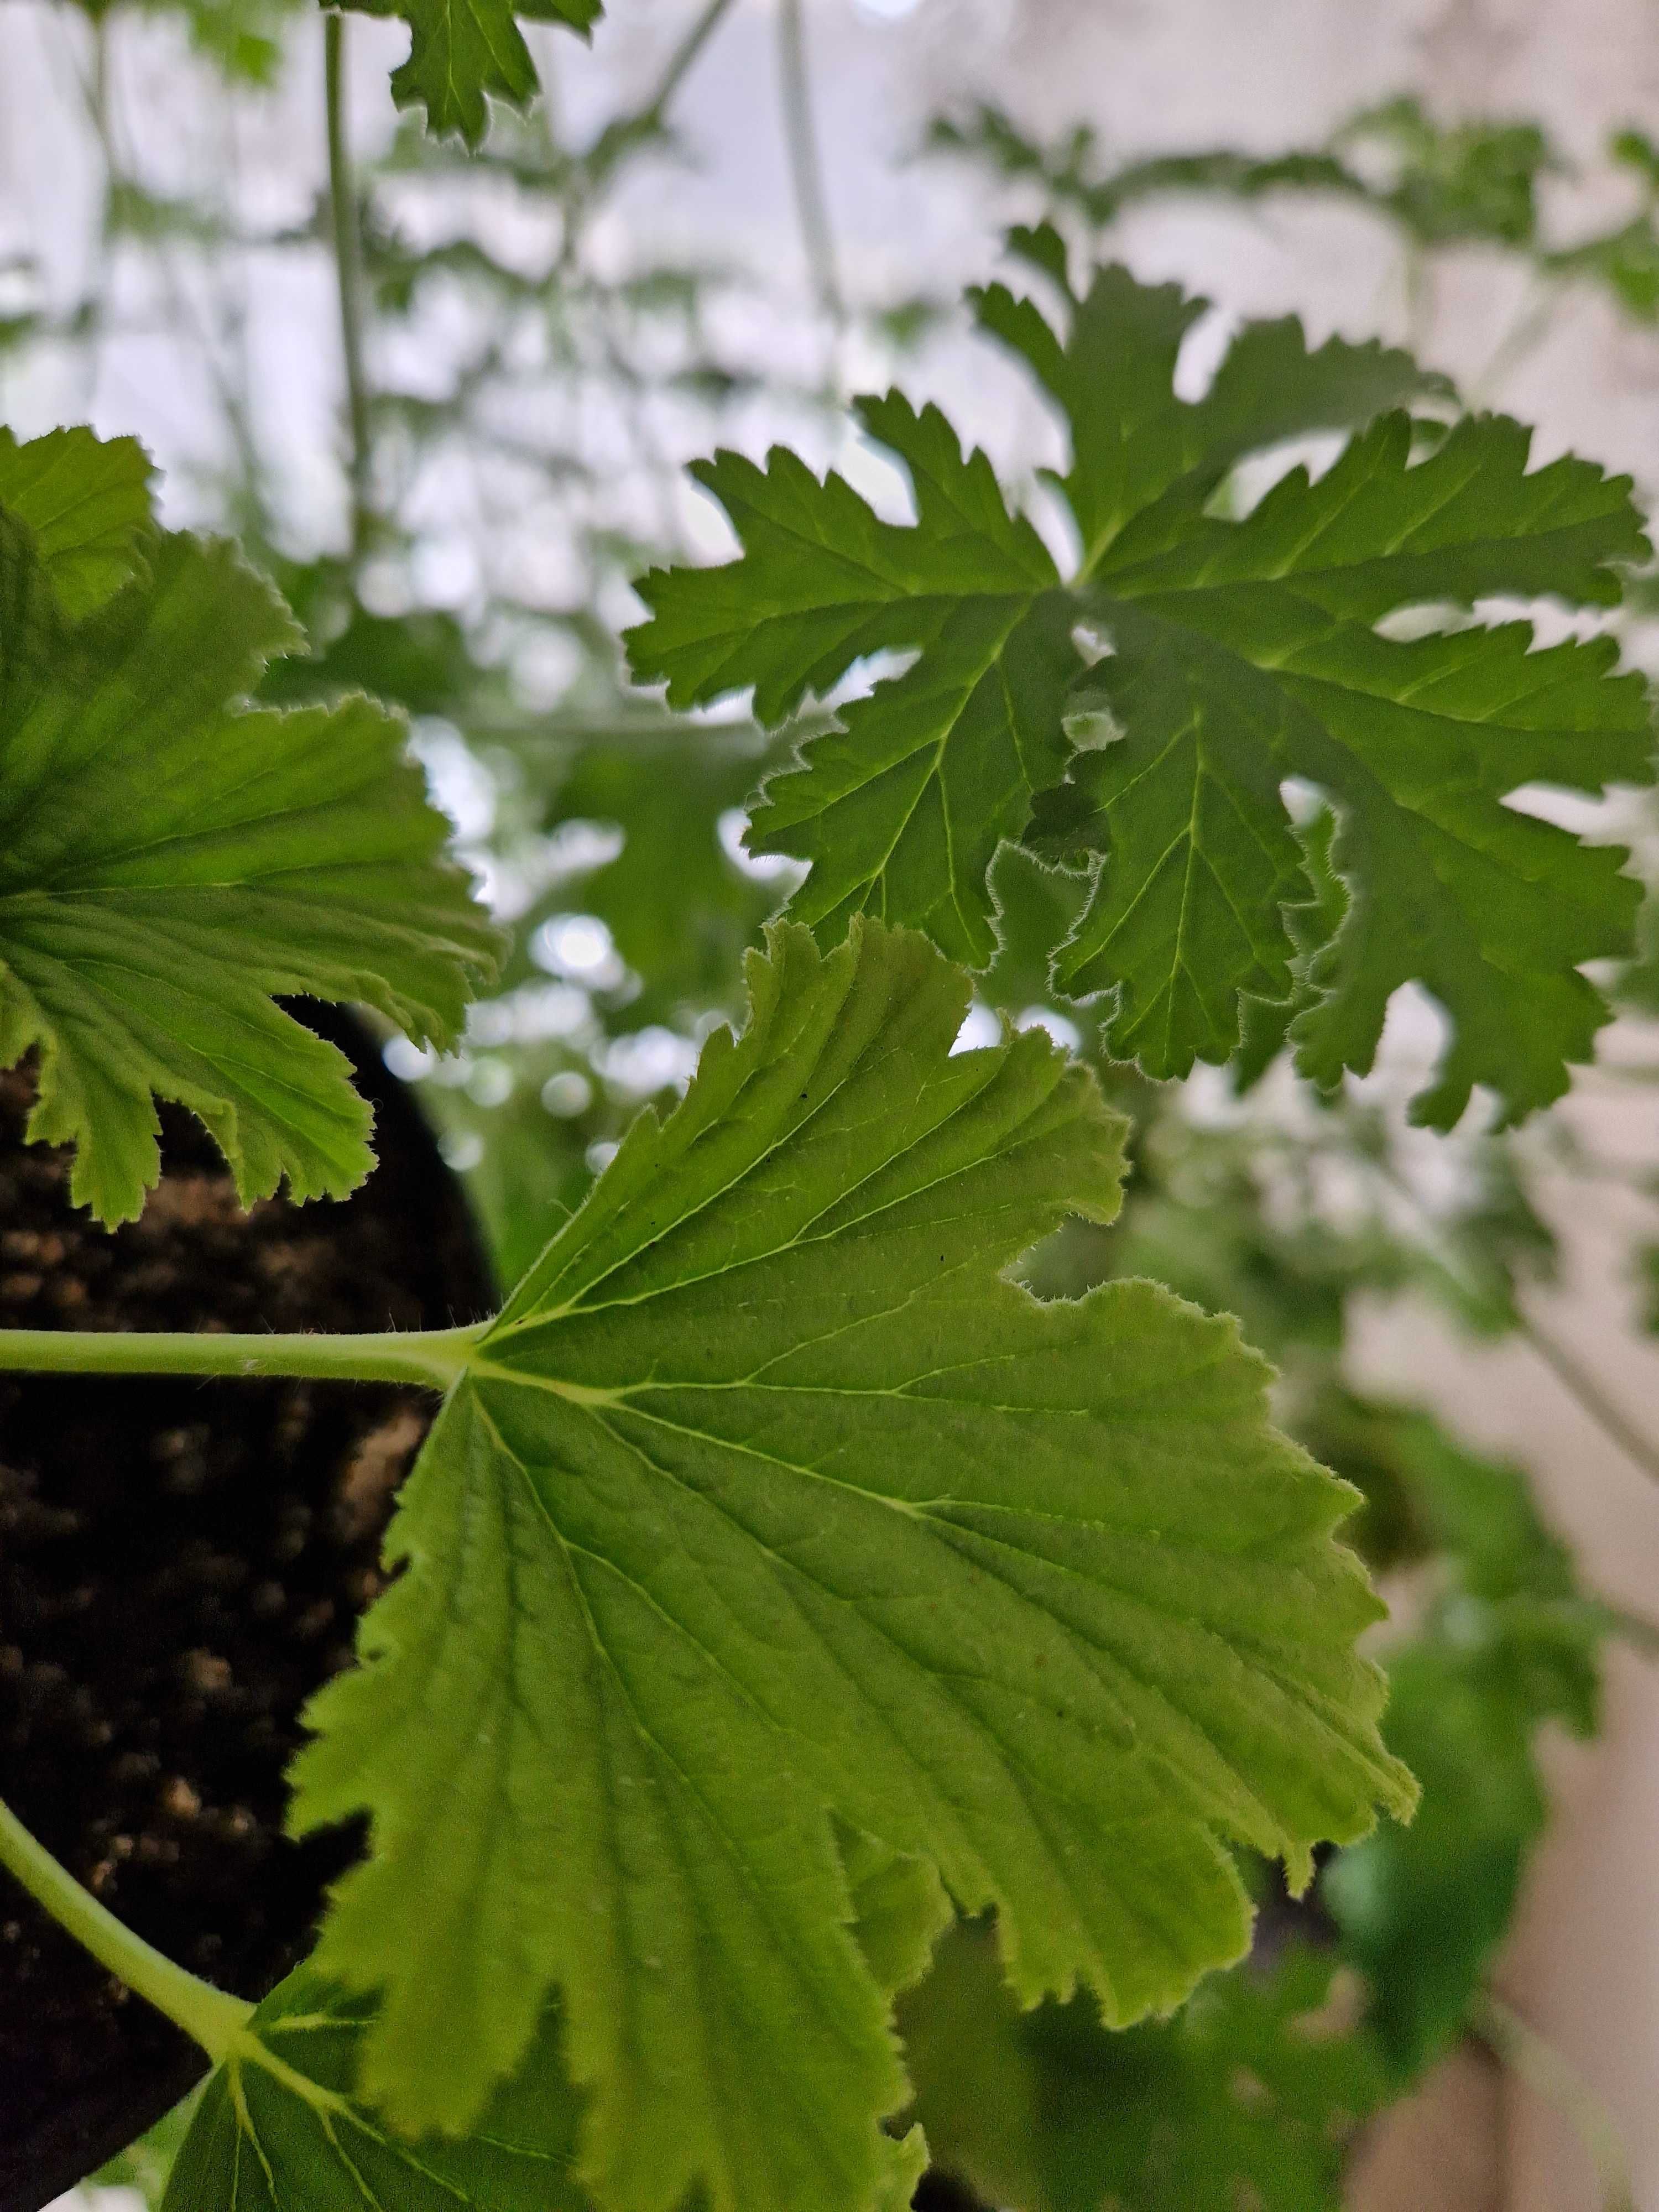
(209, 2016)
(437, 1356)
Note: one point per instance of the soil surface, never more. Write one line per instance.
(181, 1564)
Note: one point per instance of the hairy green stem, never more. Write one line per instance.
(437, 1356)
(1542, 2068)
(210, 2017)
(805, 168)
(349, 277)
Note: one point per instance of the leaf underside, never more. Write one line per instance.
(1245, 2098)
(1231, 652)
(767, 1498)
(170, 860)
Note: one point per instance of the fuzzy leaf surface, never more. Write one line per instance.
(169, 860)
(900, 810)
(461, 52)
(1247, 654)
(280, 2126)
(767, 1498)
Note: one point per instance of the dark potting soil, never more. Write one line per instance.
(181, 1564)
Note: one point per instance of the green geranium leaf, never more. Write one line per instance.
(1248, 2096)
(170, 860)
(901, 809)
(85, 504)
(1228, 655)
(767, 1498)
(1422, 1908)
(280, 2128)
(462, 52)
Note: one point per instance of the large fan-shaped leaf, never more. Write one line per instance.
(766, 1498)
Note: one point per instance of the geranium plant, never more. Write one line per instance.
(781, 1575)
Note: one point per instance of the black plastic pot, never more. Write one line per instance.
(181, 1564)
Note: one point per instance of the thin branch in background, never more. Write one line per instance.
(625, 133)
(1418, 278)
(349, 276)
(1545, 2070)
(805, 167)
(1578, 1381)
(1523, 338)
(93, 85)
(1566, 1367)
(651, 115)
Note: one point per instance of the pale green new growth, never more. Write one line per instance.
(767, 1498)
(170, 858)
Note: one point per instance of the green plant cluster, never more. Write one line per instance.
(836, 1548)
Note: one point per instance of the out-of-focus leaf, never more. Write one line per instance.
(86, 504)
(421, 661)
(1509, 1642)
(679, 909)
(144, 2166)
(1248, 2095)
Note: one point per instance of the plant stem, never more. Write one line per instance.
(349, 277)
(680, 61)
(210, 2017)
(1583, 1386)
(435, 1357)
(1536, 312)
(627, 133)
(1542, 2068)
(804, 166)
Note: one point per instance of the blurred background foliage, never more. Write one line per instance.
(522, 374)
